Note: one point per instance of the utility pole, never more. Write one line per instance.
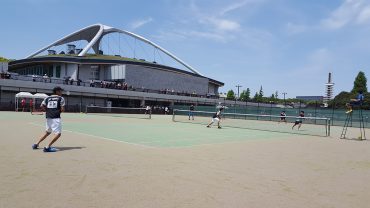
(284, 93)
(238, 86)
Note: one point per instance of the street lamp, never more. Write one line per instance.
(238, 86)
(284, 93)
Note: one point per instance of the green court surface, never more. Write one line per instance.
(105, 161)
(161, 131)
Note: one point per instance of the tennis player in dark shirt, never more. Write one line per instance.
(216, 118)
(53, 107)
(299, 120)
(283, 117)
(191, 111)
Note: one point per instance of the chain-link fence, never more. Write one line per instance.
(336, 115)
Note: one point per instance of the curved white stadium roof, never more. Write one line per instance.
(93, 35)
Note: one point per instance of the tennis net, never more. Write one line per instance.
(119, 112)
(316, 126)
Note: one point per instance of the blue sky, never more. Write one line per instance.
(284, 45)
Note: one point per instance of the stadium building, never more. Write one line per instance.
(87, 67)
(77, 64)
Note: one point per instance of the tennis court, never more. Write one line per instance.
(119, 161)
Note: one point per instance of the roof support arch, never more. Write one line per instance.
(93, 35)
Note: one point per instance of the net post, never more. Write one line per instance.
(173, 115)
(150, 113)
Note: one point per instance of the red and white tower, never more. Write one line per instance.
(329, 90)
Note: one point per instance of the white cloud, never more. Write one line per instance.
(206, 35)
(348, 12)
(191, 34)
(214, 26)
(214, 21)
(223, 24)
(238, 5)
(139, 23)
(233, 7)
(364, 16)
(320, 56)
(292, 28)
(318, 61)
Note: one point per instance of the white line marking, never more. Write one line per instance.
(98, 137)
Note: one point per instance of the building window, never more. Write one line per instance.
(94, 73)
(57, 71)
(51, 71)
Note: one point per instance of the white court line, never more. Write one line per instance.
(142, 145)
(98, 137)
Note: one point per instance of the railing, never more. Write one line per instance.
(100, 84)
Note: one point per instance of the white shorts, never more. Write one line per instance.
(54, 125)
(215, 119)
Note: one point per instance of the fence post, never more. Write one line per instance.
(67, 108)
(315, 111)
(332, 113)
(270, 110)
(81, 103)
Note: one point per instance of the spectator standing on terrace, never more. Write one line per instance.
(66, 80)
(45, 77)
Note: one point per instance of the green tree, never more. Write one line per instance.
(245, 95)
(230, 95)
(256, 97)
(242, 96)
(340, 100)
(248, 94)
(260, 94)
(344, 97)
(2, 59)
(276, 94)
(272, 98)
(360, 83)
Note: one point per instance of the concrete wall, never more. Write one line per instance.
(212, 88)
(68, 70)
(150, 78)
(85, 72)
(72, 71)
(106, 72)
(115, 72)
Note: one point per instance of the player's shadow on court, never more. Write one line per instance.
(68, 148)
(354, 139)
